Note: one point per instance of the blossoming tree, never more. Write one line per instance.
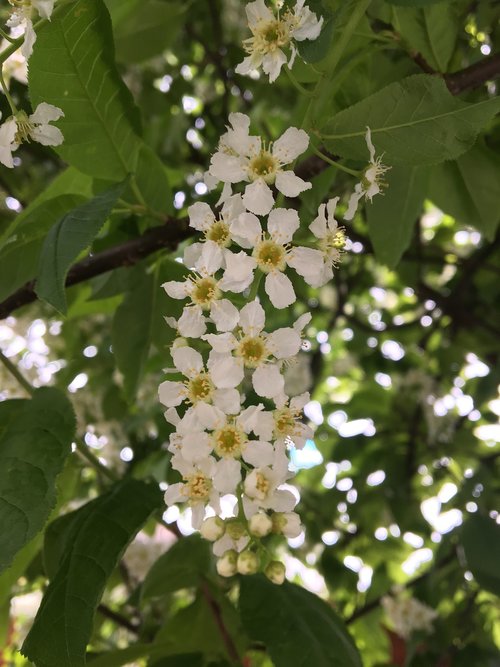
(249, 278)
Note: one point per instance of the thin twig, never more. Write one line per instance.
(12, 369)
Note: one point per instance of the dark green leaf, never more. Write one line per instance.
(481, 542)
(415, 3)
(73, 68)
(297, 627)
(35, 439)
(415, 122)
(392, 217)
(72, 234)
(152, 181)
(313, 51)
(153, 651)
(468, 189)
(63, 624)
(180, 567)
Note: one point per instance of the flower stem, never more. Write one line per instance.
(7, 36)
(94, 461)
(5, 89)
(337, 165)
(302, 89)
(255, 285)
(12, 369)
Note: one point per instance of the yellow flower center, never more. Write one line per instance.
(284, 423)
(205, 291)
(262, 485)
(270, 256)
(219, 233)
(268, 37)
(197, 486)
(333, 245)
(263, 165)
(253, 351)
(200, 388)
(229, 441)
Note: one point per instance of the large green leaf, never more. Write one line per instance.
(180, 567)
(432, 31)
(415, 122)
(73, 67)
(468, 189)
(126, 655)
(481, 542)
(415, 3)
(297, 627)
(391, 218)
(35, 439)
(66, 240)
(63, 625)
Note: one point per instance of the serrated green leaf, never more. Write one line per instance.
(152, 181)
(63, 625)
(153, 651)
(72, 67)
(468, 189)
(181, 566)
(66, 240)
(391, 218)
(312, 51)
(414, 122)
(481, 542)
(297, 627)
(35, 439)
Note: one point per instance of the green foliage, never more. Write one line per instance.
(296, 626)
(73, 68)
(415, 122)
(35, 438)
(66, 240)
(481, 542)
(100, 534)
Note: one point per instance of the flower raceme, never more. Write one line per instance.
(272, 33)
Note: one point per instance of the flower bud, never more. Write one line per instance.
(275, 572)
(260, 525)
(212, 528)
(235, 529)
(287, 523)
(179, 342)
(248, 562)
(226, 566)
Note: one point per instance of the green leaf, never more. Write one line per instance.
(415, 122)
(432, 31)
(181, 566)
(64, 621)
(467, 189)
(152, 181)
(72, 67)
(392, 217)
(297, 627)
(35, 439)
(127, 655)
(66, 240)
(415, 3)
(481, 542)
(312, 51)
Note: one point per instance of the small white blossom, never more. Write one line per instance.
(271, 34)
(248, 562)
(244, 158)
(408, 615)
(371, 184)
(15, 67)
(22, 17)
(287, 523)
(275, 572)
(226, 566)
(212, 528)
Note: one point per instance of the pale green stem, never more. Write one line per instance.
(5, 89)
(13, 370)
(302, 89)
(337, 165)
(255, 287)
(94, 461)
(7, 36)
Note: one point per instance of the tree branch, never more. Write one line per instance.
(217, 614)
(475, 75)
(128, 253)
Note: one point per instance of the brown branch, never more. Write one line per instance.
(475, 75)
(217, 614)
(128, 253)
(118, 619)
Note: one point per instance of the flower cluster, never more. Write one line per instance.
(272, 33)
(21, 127)
(233, 421)
(408, 615)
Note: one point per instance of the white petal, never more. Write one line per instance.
(279, 288)
(257, 12)
(170, 393)
(330, 207)
(318, 225)
(47, 135)
(282, 501)
(174, 493)
(239, 272)
(44, 7)
(172, 416)
(369, 143)
(224, 314)
(29, 40)
(290, 184)
(309, 26)
(227, 475)
(209, 416)
(45, 113)
(226, 372)
(249, 64)
(258, 453)
(268, 381)
(176, 289)
(252, 318)
(258, 197)
(210, 259)
(246, 230)
(352, 206)
(228, 400)
(290, 145)
(197, 515)
(285, 342)
(228, 168)
(201, 216)
(191, 323)
(221, 343)
(272, 64)
(306, 261)
(192, 254)
(282, 224)
(187, 361)
(196, 446)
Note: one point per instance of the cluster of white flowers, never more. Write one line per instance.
(235, 423)
(271, 33)
(21, 127)
(408, 615)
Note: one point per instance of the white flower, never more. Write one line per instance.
(235, 538)
(408, 615)
(331, 244)
(261, 490)
(216, 229)
(36, 127)
(287, 523)
(226, 566)
(248, 562)
(275, 572)
(213, 528)
(371, 184)
(287, 427)
(15, 67)
(271, 253)
(271, 34)
(197, 489)
(242, 157)
(199, 387)
(22, 17)
(260, 524)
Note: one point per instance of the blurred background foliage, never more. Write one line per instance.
(400, 486)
